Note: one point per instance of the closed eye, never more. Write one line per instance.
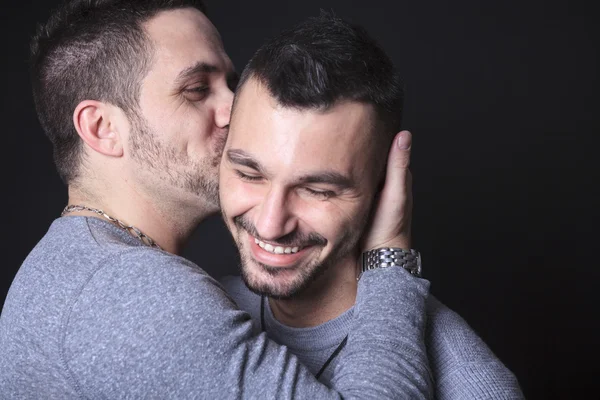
(247, 177)
(197, 93)
(320, 194)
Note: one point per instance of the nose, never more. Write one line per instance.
(275, 218)
(223, 111)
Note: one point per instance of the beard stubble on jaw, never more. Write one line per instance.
(199, 177)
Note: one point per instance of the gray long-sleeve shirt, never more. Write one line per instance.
(463, 367)
(93, 313)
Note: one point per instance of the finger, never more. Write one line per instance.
(391, 223)
(397, 182)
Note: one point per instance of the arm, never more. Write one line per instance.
(157, 326)
(395, 200)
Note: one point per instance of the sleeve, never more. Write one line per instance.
(463, 366)
(158, 327)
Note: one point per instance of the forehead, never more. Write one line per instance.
(301, 141)
(183, 37)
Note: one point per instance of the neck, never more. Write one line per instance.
(169, 225)
(329, 296)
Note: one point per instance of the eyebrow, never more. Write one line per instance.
(330, 178)
(198, 68)
(240, 157)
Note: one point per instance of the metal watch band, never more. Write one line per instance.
(392, 257)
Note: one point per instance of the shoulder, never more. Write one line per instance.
(147, 293)
(144, 312)
(451, 337)
(152, 278)
(464, 367)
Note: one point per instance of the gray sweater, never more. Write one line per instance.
(463, 367)
(94, 314)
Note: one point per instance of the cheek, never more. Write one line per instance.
(199, 127)
(331, 220)
(192, 125)
(237, 197)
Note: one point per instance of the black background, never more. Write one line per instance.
(502, 99)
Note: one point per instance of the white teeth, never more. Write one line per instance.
(276, 249)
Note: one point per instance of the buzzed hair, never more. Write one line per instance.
(90, 50)
(325, 60)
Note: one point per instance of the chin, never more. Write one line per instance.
(279, 283)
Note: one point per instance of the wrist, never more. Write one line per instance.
(386, 257)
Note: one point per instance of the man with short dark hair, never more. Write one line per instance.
(314, 111)
(135, 97)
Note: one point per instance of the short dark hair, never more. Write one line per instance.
(324, 60)
(90, 50)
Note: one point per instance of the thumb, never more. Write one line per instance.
(391, 224)
(399, 156)
(397, 190)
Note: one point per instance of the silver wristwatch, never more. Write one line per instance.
(392, 257)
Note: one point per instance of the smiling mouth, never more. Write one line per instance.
(276, 249)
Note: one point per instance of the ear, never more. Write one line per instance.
(97, 127)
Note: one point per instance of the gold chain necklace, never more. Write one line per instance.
(132, 230)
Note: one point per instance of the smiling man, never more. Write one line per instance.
(315, 110)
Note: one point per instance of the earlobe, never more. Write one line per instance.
(92, 120)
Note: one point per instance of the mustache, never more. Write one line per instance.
(294, 238)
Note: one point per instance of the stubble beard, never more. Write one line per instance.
(197, 177)
(305, 275)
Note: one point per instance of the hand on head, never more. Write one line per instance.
(391, 221)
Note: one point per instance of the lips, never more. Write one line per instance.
(275, 255)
